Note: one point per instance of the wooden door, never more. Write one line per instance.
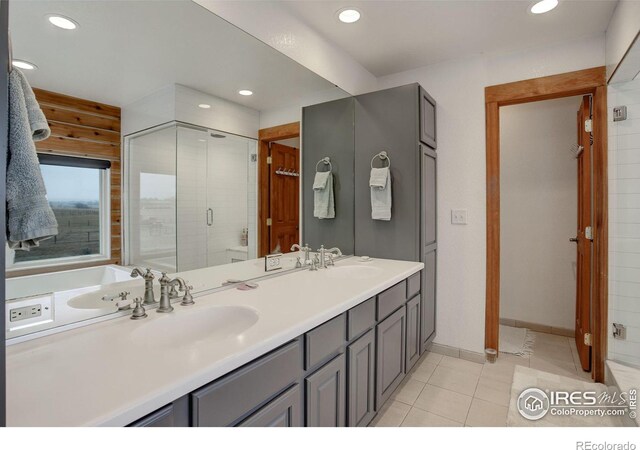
(583, 242)
(284, 197)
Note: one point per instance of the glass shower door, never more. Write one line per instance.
(228, 198)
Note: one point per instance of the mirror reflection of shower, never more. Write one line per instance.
(192, 199)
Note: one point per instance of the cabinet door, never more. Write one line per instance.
(326, 395)
(390, 352)
(427, 119)
(413, 332)
(361, 380)
(428, 325)
(428, 197)
(174, 414)
(283, 411)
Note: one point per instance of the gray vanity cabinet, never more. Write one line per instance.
(283, 411)
(427, 119)
(361, 357)
(326, 395)
(390, 354)
(175, 414)
(428, 304)
(413, 332)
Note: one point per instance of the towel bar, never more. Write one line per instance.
(382, 155)
(327, 161)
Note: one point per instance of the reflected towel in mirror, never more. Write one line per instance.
(323, 200)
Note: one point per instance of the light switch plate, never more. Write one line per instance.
(459, 216)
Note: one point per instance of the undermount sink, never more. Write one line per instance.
(353, 272)
(185, 327)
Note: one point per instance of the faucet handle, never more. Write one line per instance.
(138, 312)
(331, 263)
(298, 263)
(187, 299)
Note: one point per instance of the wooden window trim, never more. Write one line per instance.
(582, 82)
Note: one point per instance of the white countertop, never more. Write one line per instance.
(108, 374)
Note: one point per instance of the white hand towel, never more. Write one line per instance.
(380, 184)
(323, 200)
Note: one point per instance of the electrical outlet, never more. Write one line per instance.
(459, 216)
(26, 312)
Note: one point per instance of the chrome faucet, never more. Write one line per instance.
(306, 249)
(323, 255)
(167, 284)
(149, 298)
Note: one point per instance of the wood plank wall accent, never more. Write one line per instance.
(89, 129)
(582, 82)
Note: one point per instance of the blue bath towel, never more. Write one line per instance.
(30, 218)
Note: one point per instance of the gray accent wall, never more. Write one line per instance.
(4, 62)
(328, 130)
(388, 120)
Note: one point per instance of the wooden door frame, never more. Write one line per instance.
(582, 82)
(265, 136)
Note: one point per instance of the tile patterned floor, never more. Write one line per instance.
(442, 391)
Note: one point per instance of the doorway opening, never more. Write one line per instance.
(591, 239)
(279, 188)
(545, 193)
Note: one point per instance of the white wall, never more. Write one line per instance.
(177, 102)
(623, 28)
(293, 37)
(458, 87)
(624, 221)
(538, 212)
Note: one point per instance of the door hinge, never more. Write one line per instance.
(588, 125)
(587, 339)
(268, 159)
(588, 233)
(269, 222)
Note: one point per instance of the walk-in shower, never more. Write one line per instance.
(191, 198)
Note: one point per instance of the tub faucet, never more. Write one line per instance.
(166, 284)
(149, 298)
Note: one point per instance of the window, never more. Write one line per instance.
(77, 190)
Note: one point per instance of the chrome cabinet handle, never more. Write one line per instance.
(209, 217)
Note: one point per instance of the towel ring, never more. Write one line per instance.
(382, 155)
(327, 161)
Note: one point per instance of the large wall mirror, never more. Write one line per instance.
(155, 157)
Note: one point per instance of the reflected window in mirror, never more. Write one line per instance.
(78, 192)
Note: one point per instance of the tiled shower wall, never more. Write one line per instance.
(624, 222)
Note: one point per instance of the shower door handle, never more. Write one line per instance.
(209, 217)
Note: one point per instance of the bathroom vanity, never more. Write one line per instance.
(308, 348)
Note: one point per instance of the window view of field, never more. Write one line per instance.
(74, 195)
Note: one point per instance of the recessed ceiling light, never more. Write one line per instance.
(204, 106)
(62, 22)
(543, 6)
(349, 15)
(245, 92)
(25, 65)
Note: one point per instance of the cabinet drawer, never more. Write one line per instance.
(360, 318)
(413, 285)
(324, 341)
(283, 411)
(391, 299)
(224, 401)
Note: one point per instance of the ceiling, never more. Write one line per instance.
(393, 36)
(125, 50)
